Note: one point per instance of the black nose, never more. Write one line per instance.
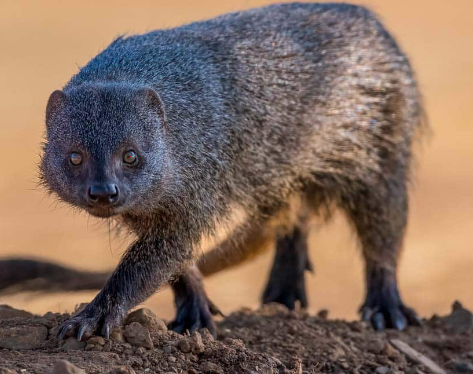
(103, 194)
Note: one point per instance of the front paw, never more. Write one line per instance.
(93, 320)
(386, 310)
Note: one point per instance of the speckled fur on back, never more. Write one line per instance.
(313, 101)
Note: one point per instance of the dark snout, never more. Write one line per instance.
(103, 195)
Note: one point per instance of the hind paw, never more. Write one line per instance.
(195, 313)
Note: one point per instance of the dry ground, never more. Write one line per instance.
(269, 341)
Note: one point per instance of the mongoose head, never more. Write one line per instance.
(104, 150)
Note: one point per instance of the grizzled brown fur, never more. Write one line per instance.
(271, 113)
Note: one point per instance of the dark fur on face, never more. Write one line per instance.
(102, 122)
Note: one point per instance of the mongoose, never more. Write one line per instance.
(236, 131)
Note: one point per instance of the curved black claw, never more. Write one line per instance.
(390, 316)
(383, 306)
(195, 313)
(384, 309)
(90, 321)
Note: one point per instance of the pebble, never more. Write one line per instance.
(146, 318)
(206, 335)
(138, 335)
(117, 334)
(140, 351)
(184, 345)
(376, 346)
(172, 359)
(390, 351)
(460, 366)
(383, 370)
(234, 342)
(167, 349)
(210, 368)
(66, 367)
(122, 370)
(460, 321)
(196, 343)
(23, 337)
(72, 344)
(6, 371)
(96, 340)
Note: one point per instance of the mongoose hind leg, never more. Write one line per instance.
(194, 310)
(379, 214)
(286, 284)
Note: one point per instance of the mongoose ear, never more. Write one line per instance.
(55, 101)
(153, 102)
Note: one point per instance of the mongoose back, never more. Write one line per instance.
(236, 131)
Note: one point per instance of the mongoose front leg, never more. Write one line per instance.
(147, 264)
(286, 284)
(194, 310)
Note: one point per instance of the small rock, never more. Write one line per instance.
(184, 346)
(146, 318)
(117, 334)
(234, 342)
(167, 349)
(138, 335)
(322, 313)
(140, 351)
(206, 335)
(122, 370)
(196, 343)
(210, 368)
(7, 371)
(390, 351)
(356, 326)
(460, 366)
(65, 367)
(96, 340)
(6, 311)
(456, 305)
(172, 359)
(375, 346)
(107, 346)
(383, 370)
(337, 353)
(23, 337)
(72, 344)
(460, 321)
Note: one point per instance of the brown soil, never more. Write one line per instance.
(270, 340)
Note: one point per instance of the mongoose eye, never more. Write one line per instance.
(76, 158)
(130, 157)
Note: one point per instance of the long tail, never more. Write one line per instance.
(19, 274)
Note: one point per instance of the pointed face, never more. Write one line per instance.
(104, 149)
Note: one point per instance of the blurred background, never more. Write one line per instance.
(43, 43)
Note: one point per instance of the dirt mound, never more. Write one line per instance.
(270, 340)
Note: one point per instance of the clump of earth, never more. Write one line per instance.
(269, 340)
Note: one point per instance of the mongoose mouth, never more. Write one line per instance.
(102, 212)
